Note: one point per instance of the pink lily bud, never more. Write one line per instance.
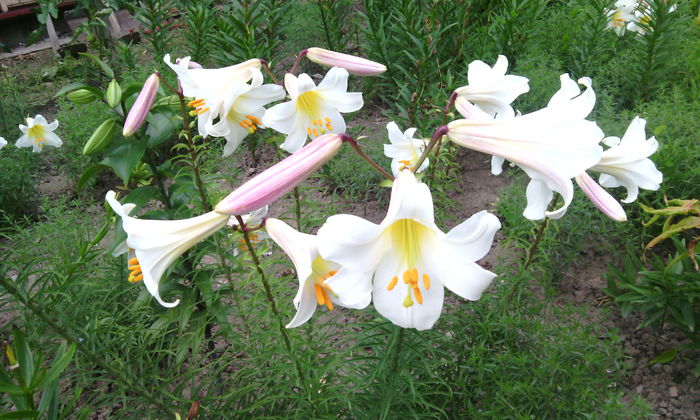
(604, 201)
(279, 179)
(139, 111)
(355, 65)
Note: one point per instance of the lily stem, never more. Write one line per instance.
(434, 140)
(297, 207)
(293, 70)
(396, 343)
(445, 112)
(193, 154)
(268, 70)
(270, 298)
(529, 257)
(363, 155)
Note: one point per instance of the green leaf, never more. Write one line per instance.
(104, 66)
(20, 414)
(58, 366)
(141, 195)
(161, 127)
(664, 357)
(11, 389)
(123, 158)
(70, 87)
(88, 174)
(24, 356)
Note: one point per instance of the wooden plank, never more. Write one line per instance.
(52, 34)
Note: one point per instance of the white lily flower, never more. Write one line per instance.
(552, 145)
(642, 17)
(223, 94)
(626, 163)
(312, 111)
(3, 142)
(491, 90)
(157, 243)
(406, 261)
(312, 270)
(404, 150)
(38, 133)
(621, 16)
(255, 219)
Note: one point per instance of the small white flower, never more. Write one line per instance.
(3, 142)
(313, 110)
(622, 16)
(491, 90)
(38, 133)
(312, 271)
(406, 261)
(404, 150)
(626, 163)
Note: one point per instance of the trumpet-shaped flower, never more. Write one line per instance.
(642, 18)
(3, 142)
(491, 90)
(621, 16)
(354, 65)
(406, 261)
(626, 163)
(243, 111)
(157, 243)
(551, 145)
(404, 150)
(312, 270)
(313, 110)
(38, 133)
(225, 94)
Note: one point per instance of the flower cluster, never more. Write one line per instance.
(403, 264)
(632, 15)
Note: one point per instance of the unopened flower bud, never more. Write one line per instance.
(113, 96)
(81, 96)
(100, 137)
(139, 111)
(279, 179)
(604, 201)
(355, 65)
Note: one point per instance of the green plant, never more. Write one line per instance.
(31, 378)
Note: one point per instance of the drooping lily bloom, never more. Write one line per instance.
(313, 110)
(406, 261)
(254, 220)
(225, 94)
(139, 110)
(354, 65)
(604, 201)
(626, 163)
(38, 133)
(312, 271)
(280, 178)
(621, 16)
(404, 150)
(551, 145)
(157, 243)
(491, 90)
(3, 142)
(242, 111)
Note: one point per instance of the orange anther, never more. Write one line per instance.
(392, 283)
(135, 267)
(133, 261)
(254, 119)
(319, 294)
(328, 120)
(419, 295)
(426, 281)
(406, 277)
(315, 132)
(308, 130)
